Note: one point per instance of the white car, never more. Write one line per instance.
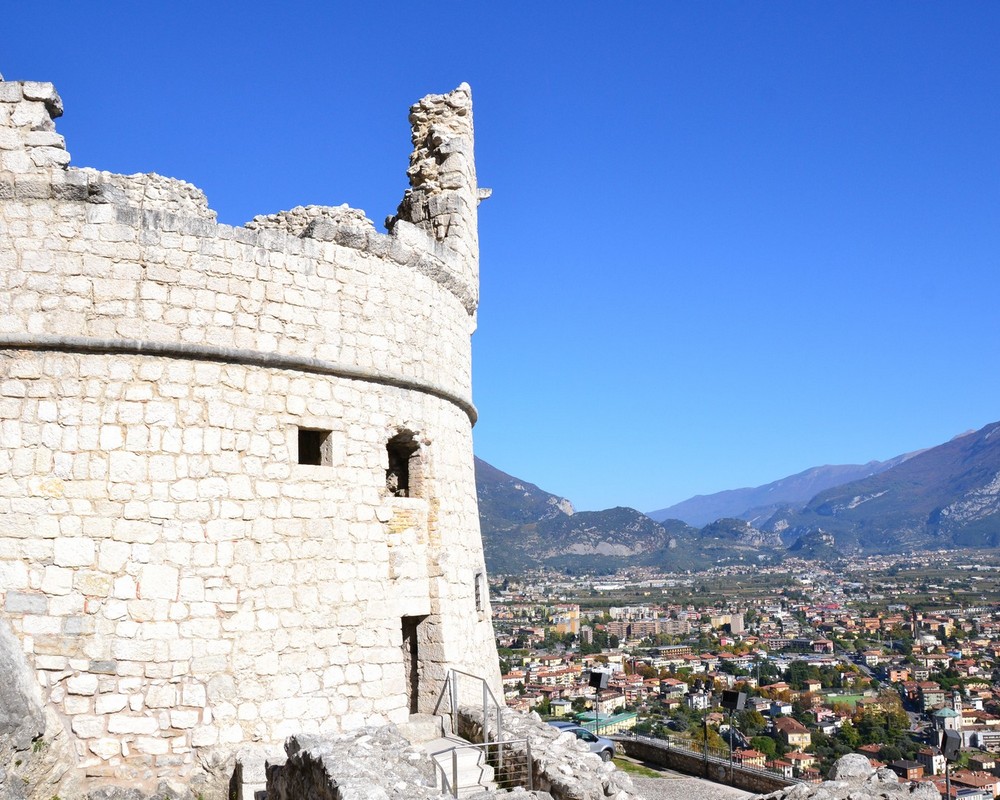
(605, 748)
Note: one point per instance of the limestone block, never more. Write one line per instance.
(124, 588)
(125, 723)
(204, 736)
(49, 156)
(164, 696)
(33, 625)
(85, 684)
(158, 581)
(105, 748)
(57, 580)
(183, 719)
(75, 704)
(151, 745)
(45, 92)
(10, 92)
(88, 727)
(110, 703)
(74, 552)
(51, 662)
(25, 603)
(92, 583)
(10, 139)
(194, 695)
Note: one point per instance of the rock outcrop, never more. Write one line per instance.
(854, 778)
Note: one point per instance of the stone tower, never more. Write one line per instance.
(237, 497)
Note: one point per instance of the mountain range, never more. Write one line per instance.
(758, 503)
(945, 496)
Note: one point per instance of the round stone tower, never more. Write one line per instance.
(237, 497)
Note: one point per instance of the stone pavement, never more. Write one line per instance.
(677, 786)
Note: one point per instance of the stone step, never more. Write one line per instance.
(422, 728)
(249, 781)
(474, 774)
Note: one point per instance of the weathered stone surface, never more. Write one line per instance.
(184, 577)
(33, 752)
(853, 777)
(369, 764)
(21, 718)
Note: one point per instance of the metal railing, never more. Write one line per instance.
(510, 759)
(451, 690)
(716, 755)
(510, 765)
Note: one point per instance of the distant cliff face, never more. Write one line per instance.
(947, 496)
(524, 527)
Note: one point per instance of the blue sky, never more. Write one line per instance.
(727, 242)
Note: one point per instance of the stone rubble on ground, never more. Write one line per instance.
(854, 778)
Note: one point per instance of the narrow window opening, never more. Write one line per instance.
(314, 447)
(479, 591)
(400, 477)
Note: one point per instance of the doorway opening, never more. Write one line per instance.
(411, 661)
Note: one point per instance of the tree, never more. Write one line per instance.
(766, 745)
(750, 722)
(714, 740)
(849, 735)
(890, 753)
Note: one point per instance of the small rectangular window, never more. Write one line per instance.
(479, 591)
(314, 447)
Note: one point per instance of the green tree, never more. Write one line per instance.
(766, 745)
(714, 740)
(750, 722)
(849, 735)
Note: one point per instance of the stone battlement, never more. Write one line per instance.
(237, 497)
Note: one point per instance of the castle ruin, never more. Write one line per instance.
(237, 498)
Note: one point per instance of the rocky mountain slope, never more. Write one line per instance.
(526, 527)
(757, 504)
(946, 496)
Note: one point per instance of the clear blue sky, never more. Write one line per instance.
(728, 240)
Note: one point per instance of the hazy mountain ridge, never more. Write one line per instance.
(945, 496)
(759, 503)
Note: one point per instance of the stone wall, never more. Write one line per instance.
(180, 581)
(652, 751)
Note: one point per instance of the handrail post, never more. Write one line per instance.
(454, 773)
(499, 734)
(453, 677)
(530, 766)
(486, 716)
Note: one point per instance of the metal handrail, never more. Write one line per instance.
(451, 786)
(451, 687)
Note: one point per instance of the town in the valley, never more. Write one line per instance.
(892, 657)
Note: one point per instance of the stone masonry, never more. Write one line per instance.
(237, 498)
